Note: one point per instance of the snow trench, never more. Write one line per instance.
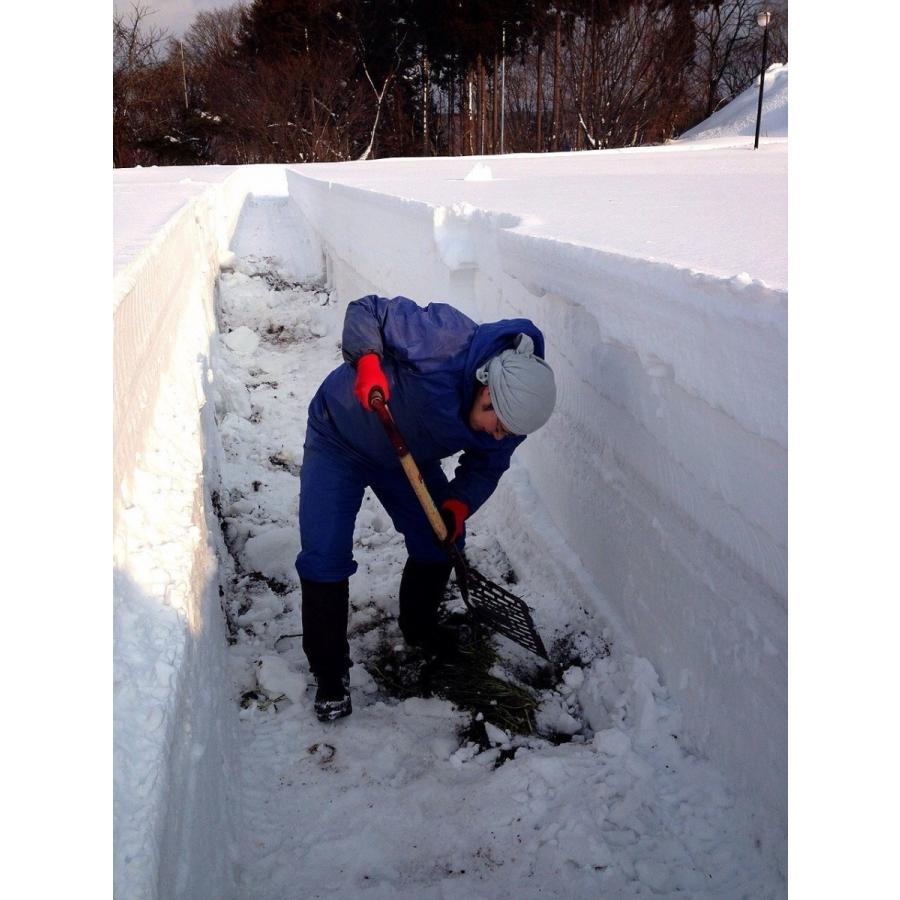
(649, 539)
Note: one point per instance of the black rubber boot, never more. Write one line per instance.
(324, 611)
(421, 592)
(333, 698)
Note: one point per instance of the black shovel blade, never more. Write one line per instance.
(498, 609)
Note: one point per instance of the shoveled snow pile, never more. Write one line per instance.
(738, 118)
(480, 172)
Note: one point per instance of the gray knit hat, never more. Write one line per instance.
(522, 387)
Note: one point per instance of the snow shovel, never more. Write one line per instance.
(491, 605)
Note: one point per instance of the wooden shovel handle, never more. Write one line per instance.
(377, 403)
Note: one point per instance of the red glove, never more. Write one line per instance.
(370, 375)
(454, 513)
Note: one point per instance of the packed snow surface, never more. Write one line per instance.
(135, 220)
(645, 526)
(718, 210)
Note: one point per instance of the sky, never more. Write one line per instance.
(175, 16)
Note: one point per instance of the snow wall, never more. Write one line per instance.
(663, 472)
(173, 714)
(664, 467)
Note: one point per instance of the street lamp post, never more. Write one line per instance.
(762, 19)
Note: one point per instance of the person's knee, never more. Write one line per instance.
(317, 566)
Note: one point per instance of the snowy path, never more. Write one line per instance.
(408, 797)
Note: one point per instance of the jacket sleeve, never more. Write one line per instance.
(479, 471)
(424, 337)
(363, 324)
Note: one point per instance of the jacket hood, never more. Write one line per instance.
(491, 339)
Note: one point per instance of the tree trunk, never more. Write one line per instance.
(710, 97)
(582, 77)
(539, 100)
(426, 101)
(451, 100)
(595, 82)
(556, 110)
(468, 123)
(481, 116)
(473, 109)
(312, 128)
(464, 116)
(369, 152)
(495, 110)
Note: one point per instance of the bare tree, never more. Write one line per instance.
(743, 67)
(379, 102)
(212, 39)
(557, 86)
(138, 46)
(724, 29)
(634, 90)
(315, 80)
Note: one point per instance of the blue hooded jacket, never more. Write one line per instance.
(429, 356)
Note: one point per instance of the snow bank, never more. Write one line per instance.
(664, 468)
(146, 200)
(171, 733)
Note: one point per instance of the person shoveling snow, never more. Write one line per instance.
(453, 386)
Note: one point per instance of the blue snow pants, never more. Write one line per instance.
(331, 493)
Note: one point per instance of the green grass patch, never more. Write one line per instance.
(464, 679)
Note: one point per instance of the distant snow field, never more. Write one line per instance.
(645, 525)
